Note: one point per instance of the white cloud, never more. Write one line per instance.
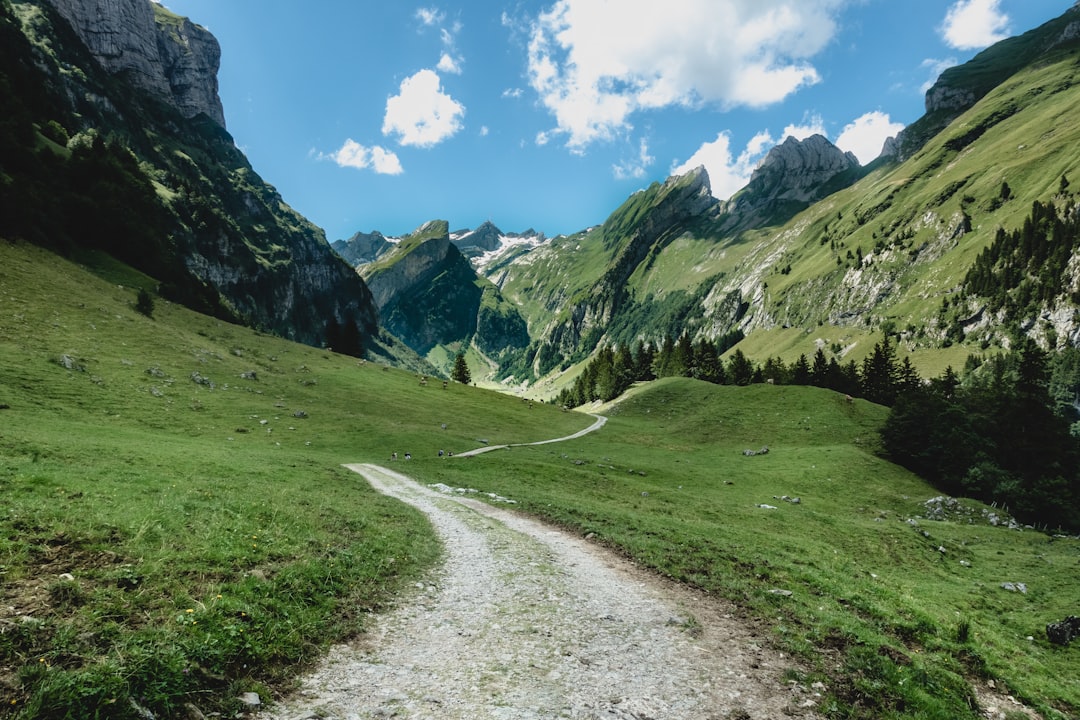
(429, 16)
(866, 135)
(484, 131)
(974, 24)
(513, 93)
(422, 114)
(636, 167)
(449, 64)
(595, 63)
(353, 154)
(814, 125)
(727, 174)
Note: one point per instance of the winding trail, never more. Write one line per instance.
(600, 422)
(524, 622)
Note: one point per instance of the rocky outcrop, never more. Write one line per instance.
(795, 173)
(428, 294)
(485, 238)
(413, 263)
(160, 53)
(363, 248)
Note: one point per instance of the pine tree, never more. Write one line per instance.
(740, 369)
(461, 372)
(819, 371)
(800, 371)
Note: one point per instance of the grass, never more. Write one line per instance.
(898, 627)
(177, 526)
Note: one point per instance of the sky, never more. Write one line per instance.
(547, 114)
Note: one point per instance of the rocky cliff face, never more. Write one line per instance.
(363, 248)
(413, 263)
(793, 174)
(161, 53)
(428, 294)
(137, 84)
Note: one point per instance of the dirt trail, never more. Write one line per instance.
(523, 621)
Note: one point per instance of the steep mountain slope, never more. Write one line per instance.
(429, 295)
(819, 252)
(644, 273)
(114, 140)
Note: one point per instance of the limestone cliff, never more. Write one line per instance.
(161, 53)
(152, 177)
(793, 175)
(363, 248)
(428, 295)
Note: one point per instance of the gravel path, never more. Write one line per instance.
(524, 622)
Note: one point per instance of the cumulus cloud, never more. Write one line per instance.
(595, 63)
(353, 154)
(635, 167)
(728, 173)
(421, 114)
(974, 24)
(866, 135)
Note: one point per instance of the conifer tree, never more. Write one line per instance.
(461, 372)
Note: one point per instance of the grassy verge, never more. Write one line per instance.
(900, 614)
(176, 526)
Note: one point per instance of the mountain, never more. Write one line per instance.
(487, 243)
(793, 175)
(957, 240)
(363, 248)
(431, 297)
(113, 140)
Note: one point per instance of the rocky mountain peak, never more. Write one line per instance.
(485, 238)
(804, 163)
(792, 175)
(161, 53)
(411, 262)
(363, 248)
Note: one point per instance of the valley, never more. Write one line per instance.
(840, 442)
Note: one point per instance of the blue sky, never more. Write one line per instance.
(548, 114)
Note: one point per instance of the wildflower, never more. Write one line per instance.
(190, 610)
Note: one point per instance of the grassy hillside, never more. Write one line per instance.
(899, 614)
(888, 254)
(177, 526)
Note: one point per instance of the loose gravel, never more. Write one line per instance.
(523, 621)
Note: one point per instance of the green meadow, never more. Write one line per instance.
(177, 528)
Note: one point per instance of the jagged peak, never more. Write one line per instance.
(696, 178)
(813, 153)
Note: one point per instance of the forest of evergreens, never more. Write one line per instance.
(1002, 432)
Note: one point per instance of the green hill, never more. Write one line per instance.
(894, 598)
(886, 250)
(177, 526)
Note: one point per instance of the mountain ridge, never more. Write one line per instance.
(140, 121)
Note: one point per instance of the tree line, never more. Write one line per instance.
(880, 377)
(1004, 432)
